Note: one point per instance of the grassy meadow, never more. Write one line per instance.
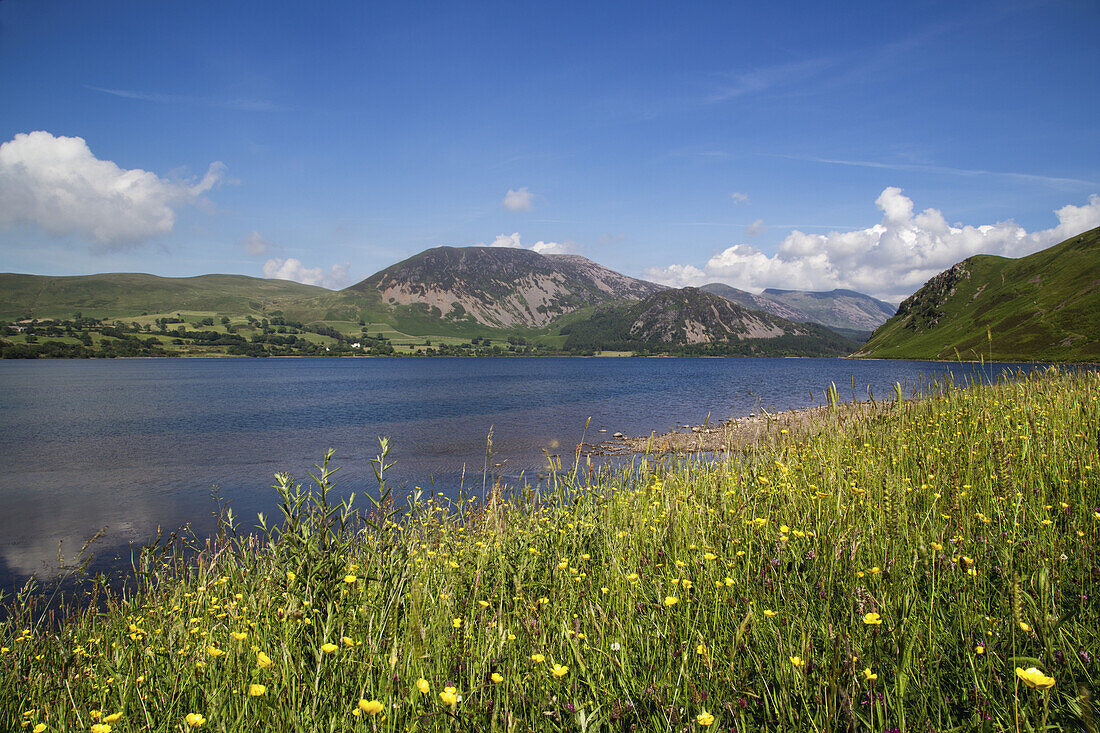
(932, 567)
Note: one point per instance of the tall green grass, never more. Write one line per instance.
(901, 572)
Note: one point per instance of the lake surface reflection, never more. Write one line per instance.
(133, 445)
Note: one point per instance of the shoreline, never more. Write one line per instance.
(737, 433)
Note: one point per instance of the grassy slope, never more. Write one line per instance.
(891, 572)
(1043, 307)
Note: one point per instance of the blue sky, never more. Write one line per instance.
(865, 145)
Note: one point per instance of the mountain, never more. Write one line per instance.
(847, 312)
(500, 287)
(128, 294)
(1043, 307)
(692, 321)
(755, 302)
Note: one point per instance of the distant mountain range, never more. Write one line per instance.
(845, 311)
(1043, 307)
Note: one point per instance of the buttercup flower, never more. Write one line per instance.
(559, 670)
(496, 678)
(255, 690)
(869, 675)
(239, 635)
(350, 579)
(1035, 679)
(449, 696)
(538, 658)
(872, 619)
(797, 662)
(370, 707)
(328, 647)
(263, 661)
(101, 728)
(671, 600)
(195, 720)
(704, 718)
(422, 685)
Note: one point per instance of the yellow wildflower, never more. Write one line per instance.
(671, 600)
(869, 675)
(349, 579)
(370, 707)
(255, 690)
(797, 662)
(559, 670)
(449, 696)
(497, 678)
(704, 718)
(239, 635)
(872, 619)
(1034, 678)
(263, 661)
(538, 658)
(328, 647)
(422, 685)
(195, 720)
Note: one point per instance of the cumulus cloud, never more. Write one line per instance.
(756, 228)
(739, 198)
(890, 260)
(293, 269)
(521, 200)
(543, 248)
(254, 244)
(59, 186)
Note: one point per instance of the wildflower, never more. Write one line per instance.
(979, 649)
(701, 649)
(869, 675)
(710, 556)
(370, 707)
(422, 685)
(559, 670)
(872, 619)
(538, 658)
(728, 581)
(328, 647)
(101, 728)
(483, 604)
(704, 718)
(797, 662)
(39, 728)
(457, 623)
(1034, 678)
(1024, 627)
(290, 576)
(349, 579)
(215, 651)
(112, 718)
(255, 690)
(263, 661)
(769, 613)
(195, 720)
(449, 696)
(495, 677)
(239, 635)
(347, 641)
(671, 600)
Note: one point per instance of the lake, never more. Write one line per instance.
(133, 445)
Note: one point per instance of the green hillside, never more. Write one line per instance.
(120, 295)
(1043, 307)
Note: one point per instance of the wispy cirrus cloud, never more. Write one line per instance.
(247, 104)
(762, 79)
(947, 170)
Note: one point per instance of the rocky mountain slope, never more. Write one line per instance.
(500, 287)
(1043, 307)
(690, 320)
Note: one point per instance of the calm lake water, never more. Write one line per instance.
(133, 445)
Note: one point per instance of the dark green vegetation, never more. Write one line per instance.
(1043, 307)
(929, 566)
(692, 322)
(444, 301)
(847, 312)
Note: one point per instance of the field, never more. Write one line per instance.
(930, 567)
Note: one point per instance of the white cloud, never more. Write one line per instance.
(293, 269)
(890, 260)
(543, 248)
(58, 185)
(257, 246)
(521, 200)
(739, 198)
(756, 228)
